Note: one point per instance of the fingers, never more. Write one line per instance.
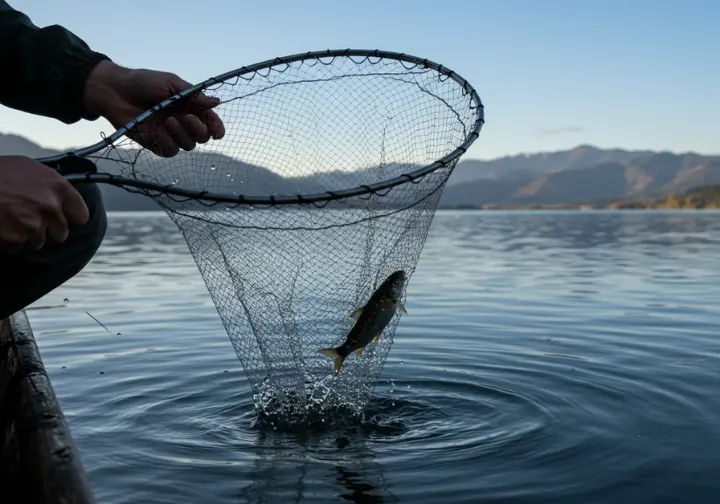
(75, 211)
(37, 205)
(155, 137)
(200, 106)
(183, 124)
(195, 128)
(36, 240)
(163, 144)
(201, 102)
(57, 229)
(181, 131)
(214, 124)
(194, 103)
(202, 126)
(50, 224)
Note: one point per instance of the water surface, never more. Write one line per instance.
(565, 357)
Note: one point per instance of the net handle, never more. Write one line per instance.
(90, 175)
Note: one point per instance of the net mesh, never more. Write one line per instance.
(284, 279)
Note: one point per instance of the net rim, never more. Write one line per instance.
(325, 197)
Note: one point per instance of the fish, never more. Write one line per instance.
(371, 319)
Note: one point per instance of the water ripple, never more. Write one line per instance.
(557, 357)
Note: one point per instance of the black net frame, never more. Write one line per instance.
(210, 198)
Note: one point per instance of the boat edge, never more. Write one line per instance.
(35, 436)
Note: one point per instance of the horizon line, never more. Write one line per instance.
(464, 158)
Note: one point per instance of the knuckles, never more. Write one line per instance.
(49, 205)
(33, 225)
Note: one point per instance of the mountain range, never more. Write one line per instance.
(582, 175)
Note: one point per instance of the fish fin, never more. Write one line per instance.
(356, 313)
(377, 338)
(359, 350)
(402, 307)
(333, 354)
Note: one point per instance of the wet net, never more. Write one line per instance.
(376, 135)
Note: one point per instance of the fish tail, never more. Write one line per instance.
(334, 354)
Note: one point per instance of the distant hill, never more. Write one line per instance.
(531, 165)
(648, 175)
(707, 197)
(581, 175)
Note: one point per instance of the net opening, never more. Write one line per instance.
(331, 170)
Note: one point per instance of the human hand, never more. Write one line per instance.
(121, 94)
(37, 205)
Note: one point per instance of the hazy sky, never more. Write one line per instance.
(551, 73)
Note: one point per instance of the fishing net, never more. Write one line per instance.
(380, 135)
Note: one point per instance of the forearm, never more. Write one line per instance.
(43, 70)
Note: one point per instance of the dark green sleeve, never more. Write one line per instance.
(43, 70)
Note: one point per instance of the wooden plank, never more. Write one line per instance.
(39, 463)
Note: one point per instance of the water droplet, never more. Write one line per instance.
(393, 403)
(228, 175)
(66, 300)
(213, 167)
(119, 334)
(174, 182)
(408, 386)
(232, 179)
(402, 362)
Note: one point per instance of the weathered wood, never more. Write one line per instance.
(39, 463)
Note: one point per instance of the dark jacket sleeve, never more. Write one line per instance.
(43, 70)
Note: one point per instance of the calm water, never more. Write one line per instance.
(565, 357)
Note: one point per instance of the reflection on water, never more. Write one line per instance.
(560, 357)
(290, 466)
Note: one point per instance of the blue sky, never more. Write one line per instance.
(552, 73)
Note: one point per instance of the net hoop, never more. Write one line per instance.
(321, 198)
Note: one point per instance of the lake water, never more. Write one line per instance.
(564, 357)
